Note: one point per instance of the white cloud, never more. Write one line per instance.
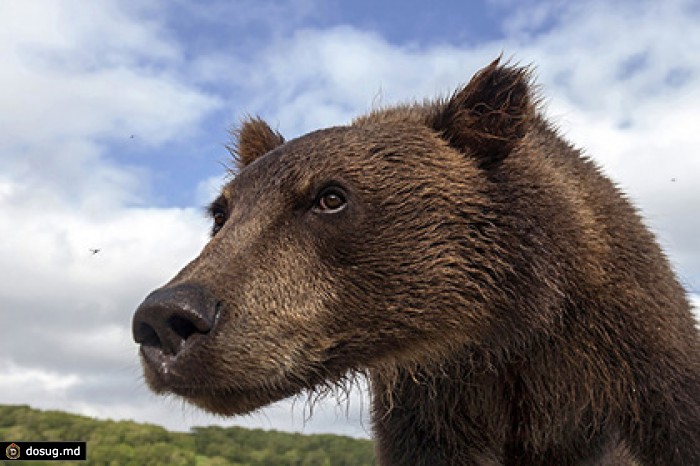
(209, 188)
(92, 70)
(695, 302)
(103, 33)
(79, 76)
(76, 76)
(14, 376)
(321, 78)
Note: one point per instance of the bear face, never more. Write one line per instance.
(294, 265)
(300, 279)
(460, 254)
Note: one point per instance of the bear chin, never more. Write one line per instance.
(230, 403)
(222, 400)
(225, 401)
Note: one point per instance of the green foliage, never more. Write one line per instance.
(257, 447)
(126, 443)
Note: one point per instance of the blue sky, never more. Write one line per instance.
(114, 115)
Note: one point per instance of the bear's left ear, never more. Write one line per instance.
(489, 115)
(253, 139)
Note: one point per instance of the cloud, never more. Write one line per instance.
(324, 77)
(208, 189)
(85, 76)
(78, 77)
(81, 70)
(695, 300)
(81, 77)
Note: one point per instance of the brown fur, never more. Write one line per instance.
(254, 137)
(505, 300)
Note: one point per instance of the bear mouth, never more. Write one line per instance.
(222, 400)
(197, 387)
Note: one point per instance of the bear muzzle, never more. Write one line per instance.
(171, 322)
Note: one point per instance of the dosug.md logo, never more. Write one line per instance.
(12, 451)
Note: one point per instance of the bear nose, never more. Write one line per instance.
(170, 317)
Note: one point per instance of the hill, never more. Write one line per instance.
(126, 443)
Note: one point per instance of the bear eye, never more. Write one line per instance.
(219, 219)
(217, 211)
(330, 200)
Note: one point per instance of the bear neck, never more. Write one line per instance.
(441, 414)
(478, 408)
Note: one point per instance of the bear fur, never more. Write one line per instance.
(504, 299)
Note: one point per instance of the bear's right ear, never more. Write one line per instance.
(253, 139)
(489, 115)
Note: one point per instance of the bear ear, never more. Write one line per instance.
(253, 139)
(489, 115)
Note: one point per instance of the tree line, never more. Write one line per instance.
(126, 443)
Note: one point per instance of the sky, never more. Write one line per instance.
(114, 116)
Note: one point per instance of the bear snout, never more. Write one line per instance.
(171, 321)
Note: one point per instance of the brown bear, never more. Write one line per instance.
(501, 295)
